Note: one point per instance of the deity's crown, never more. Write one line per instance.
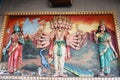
(60, 18)
(68, 20)
(101, 23)
(64, 18)
(17, 23)
(55, 18)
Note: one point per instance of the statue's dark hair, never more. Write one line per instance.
(19, 28)
(98, 30)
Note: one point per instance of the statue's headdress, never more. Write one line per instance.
(55, 18)
(59, 18)
(101, 23)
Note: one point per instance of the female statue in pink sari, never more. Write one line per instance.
(14, 49)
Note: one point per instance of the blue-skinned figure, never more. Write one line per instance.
(14, 49)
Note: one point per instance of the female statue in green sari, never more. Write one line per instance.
(106, 50)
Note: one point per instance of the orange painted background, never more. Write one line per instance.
(88, 22)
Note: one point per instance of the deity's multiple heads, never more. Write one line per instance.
(61, 22)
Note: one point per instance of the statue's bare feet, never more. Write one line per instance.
(55, 75)
(63, 75)
(107, 75)
(101, 74)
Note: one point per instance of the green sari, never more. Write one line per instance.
(108, 55)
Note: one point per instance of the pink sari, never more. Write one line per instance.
(15, 55)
